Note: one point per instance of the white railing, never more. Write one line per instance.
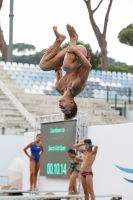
(3, 180)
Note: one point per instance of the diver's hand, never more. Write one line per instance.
(31, 157)
(71, 49)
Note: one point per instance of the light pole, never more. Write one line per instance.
(10, 46)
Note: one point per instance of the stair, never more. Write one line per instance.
(9, 115)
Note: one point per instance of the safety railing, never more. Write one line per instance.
(3, 181)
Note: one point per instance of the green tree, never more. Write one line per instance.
(100, 35)
(115, 63)
(23, 48)
(30, 59)
(126, 35)
(3, 46)
(123, 68)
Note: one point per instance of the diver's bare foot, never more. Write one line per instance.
(30, 189)
(72, 32)
(58, 35)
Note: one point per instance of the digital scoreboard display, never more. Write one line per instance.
(58, 137)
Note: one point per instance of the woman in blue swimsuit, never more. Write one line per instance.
(36, 151)
(74, 171)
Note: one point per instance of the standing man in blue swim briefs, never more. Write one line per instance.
(89, 152)
(37, 150)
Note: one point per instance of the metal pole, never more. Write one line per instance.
(3, 130)
(125, 109)
(129, 95)
(107, 94)
(10, 47)
(115, 101)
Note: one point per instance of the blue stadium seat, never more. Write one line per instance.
(113, 80)
(93, 71)
(43, 83)
(108, 73)
(26, 78)
(10, 72)
(98, 75)
(25, 81)
(19, 81)
(37, 82)
(28, 86)
(124, 74)
(119, 74)
(32, 78)
(31, 82)
(33, 74)
(104, 73)
(108, 79)
(24, 69)
(13, 76)
(16, 72)
(28, 73)
(103, 79)
(114, 74)
(39, 74)
(38, 79)
(20, 77)
(23, 86)
(98, 72)
(22, 73)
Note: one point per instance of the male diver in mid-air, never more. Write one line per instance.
(75, 60)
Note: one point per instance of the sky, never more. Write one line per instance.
(34, 19)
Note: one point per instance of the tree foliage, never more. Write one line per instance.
(22, 47)
(30, 59)
(35, 58)
(123, 68)
(112, 61)
(126, 35)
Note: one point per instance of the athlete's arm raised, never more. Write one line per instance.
(77, 147)
(58, 74)
(84, 72)
(95, 148)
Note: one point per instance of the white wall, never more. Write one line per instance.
(115, 144)
(11, 146)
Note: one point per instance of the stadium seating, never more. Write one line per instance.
(32, 87)
(35, 81)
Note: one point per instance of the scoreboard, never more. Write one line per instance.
(58, 137)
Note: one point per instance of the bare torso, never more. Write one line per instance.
(88, 160)
(67, 81)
